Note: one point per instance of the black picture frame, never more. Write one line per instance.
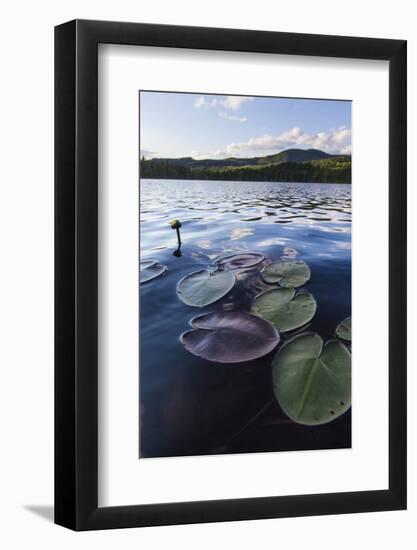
(76, 272)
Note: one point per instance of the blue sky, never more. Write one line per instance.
(219, 126)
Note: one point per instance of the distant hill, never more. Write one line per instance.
(289, 155)
(309, 165)
(295, 155)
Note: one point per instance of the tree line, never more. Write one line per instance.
(335, 170)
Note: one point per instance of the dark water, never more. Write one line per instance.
(189, 406)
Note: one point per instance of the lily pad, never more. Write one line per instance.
(282, 307)
(344, 330)
(150, 269)
(312, 382)
(230, 337)
(241, 261)
(288, 273)
(202, 288)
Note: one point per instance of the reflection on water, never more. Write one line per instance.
(191, 406)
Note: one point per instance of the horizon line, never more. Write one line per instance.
(248, 157)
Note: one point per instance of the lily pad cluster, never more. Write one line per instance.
(232, 334)
(311, 379)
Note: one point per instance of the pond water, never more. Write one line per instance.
(190, 406)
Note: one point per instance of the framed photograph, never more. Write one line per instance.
(230, 275)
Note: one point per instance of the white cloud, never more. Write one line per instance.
(334, 141)
(202, 102)
(342, 135)
(226, 116)
(234, 102)
(229, 102)
(199, 102)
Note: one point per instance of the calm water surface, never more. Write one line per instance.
(189, 406)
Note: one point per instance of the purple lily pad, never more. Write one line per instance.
(240, 261)
(230, 337)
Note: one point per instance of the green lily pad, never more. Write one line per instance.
(240, 261)
(344, 329)
(202, 288)
(230, 337)
(288, 273)
(312, 382)
(150, 269)
(286, 310)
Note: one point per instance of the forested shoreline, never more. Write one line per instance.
(335, 169)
